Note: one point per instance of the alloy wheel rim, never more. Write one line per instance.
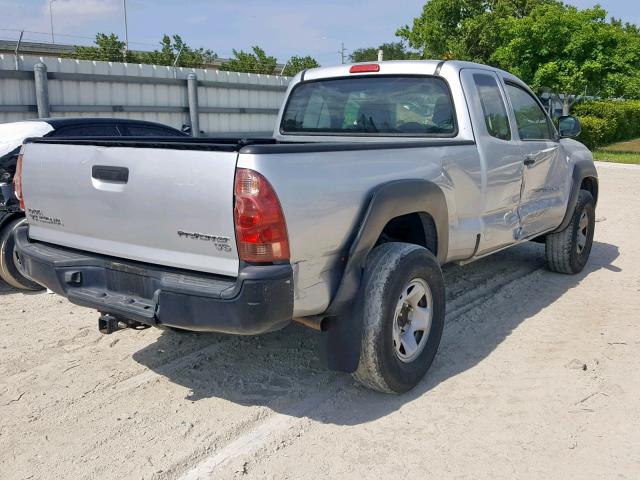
(412, 320)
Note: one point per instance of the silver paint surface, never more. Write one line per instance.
(167, 191)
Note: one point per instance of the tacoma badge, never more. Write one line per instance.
(222, 244)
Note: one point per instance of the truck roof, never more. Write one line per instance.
(400, 67)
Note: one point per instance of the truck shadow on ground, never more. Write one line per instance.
(6, 289)
(283, 370)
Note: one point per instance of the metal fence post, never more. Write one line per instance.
(42, 89)
(192, 93)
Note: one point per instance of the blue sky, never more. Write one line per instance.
(282, 27)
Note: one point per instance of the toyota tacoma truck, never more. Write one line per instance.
(376, 176)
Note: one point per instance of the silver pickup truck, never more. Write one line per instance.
(377, 175)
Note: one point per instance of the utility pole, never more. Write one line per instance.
(53, 40)
(17, 56)
(175, 62)
(126, 29)
(342, 52)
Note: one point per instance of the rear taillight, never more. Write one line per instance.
(261, 231)
(17, 181)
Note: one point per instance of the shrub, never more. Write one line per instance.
(595, 131)
(605, 122)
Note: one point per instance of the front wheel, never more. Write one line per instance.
(403, 317)
(568, 250)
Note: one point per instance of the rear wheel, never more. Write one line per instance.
(568, 250)
(403, 317)
(9, 259)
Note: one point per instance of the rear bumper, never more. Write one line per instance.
(260, 300)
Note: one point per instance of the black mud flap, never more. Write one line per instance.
(342, 342)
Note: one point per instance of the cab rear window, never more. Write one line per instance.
(413, 106)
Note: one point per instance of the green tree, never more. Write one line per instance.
(256, 62)
(547, 43)
(174, 47)
(297, 64)
(463, 29)
(391, 51)
(109, 48)
(569, 51)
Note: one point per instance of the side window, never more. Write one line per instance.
(148, 131)
(493, 108)
(530, 118)
(106, 130)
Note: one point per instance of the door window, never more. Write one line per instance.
(531, 120)
(493, 108)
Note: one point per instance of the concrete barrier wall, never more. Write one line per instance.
(227, 101)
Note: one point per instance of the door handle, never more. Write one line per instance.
(110, 174)
(529, 160)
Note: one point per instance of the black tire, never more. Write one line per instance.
(8, 269)
(390, 268)
(568, 250)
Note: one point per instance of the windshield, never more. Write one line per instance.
(372, 106)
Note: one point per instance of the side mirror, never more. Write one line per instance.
(569, 126)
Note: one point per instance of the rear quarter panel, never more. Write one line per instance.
(323, 196)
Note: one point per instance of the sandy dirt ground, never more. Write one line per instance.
(538, 376)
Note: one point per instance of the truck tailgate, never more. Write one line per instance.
(164, 206)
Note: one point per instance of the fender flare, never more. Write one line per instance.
(387, 201)
(581, 171)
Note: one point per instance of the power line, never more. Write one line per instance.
(219, 55)
(17, 31)
(67, 35)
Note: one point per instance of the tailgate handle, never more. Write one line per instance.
(110, 174)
